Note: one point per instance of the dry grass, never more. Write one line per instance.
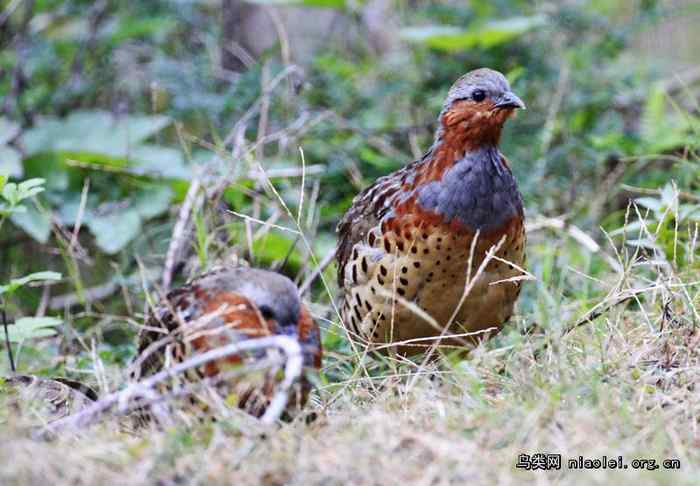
(614, 388)
(623, 385)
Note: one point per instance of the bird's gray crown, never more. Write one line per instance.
(493, 83)
(275, 296)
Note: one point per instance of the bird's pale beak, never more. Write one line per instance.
(509, 100)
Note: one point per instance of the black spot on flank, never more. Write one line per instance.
(510, 267)
(439, 240)
(416, 264)
(382, 317)
(404, 269)
(426, 251)
(380, 280)
(374, 291)
(375, 335)
(354, 254)
(425, 236)
(430, 275)
(383, 270)
(387, 245)
(358, 300)
(448, 258)
(372, 238)
(437, 263)
(399, 245)
(357, 313)
(403, 281)
(368, 306)
(364, 264)
(414, 249)
(438, 247)
(354, 274)
(401, 291)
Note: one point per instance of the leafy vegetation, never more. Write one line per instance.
(116, 115)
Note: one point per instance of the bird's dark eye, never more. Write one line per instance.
(266, 312)
(479, 95)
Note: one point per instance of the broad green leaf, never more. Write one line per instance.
(152, 202)
(275, 247)
(3, 180)
(162, 162)
(16, 283)
(34, 222)
(32, 327)
(98, 132)
(10, 162)
(450, 38)
(113, 232)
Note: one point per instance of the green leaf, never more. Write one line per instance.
(35, 223)
(98, 132)
(450, 38)
(275, 247)
(32, 277)
(9, 192)
(115, 231)
(153, 202)
(32, 328)
(16, 193)
(3, 180)
(30, 188)
(162, 162)
(10, 162)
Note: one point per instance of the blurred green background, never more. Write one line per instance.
(120, 105)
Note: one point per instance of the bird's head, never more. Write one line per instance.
(274, 295)
(277, 300)
(476, 107)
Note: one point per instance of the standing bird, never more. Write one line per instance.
(411, 235)
(225, 306)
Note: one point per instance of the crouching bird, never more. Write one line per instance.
(412, 244)
(226, 306)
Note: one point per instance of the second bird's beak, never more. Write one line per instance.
(509, 100)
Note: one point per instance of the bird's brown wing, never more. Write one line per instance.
(367, 210)
(174, 321)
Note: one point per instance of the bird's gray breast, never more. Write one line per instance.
(479, 191)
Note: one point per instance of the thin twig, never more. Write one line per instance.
(7, 341)
(179, 232)
(317, 271)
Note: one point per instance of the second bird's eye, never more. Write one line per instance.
(266, 312)
(478, 95)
